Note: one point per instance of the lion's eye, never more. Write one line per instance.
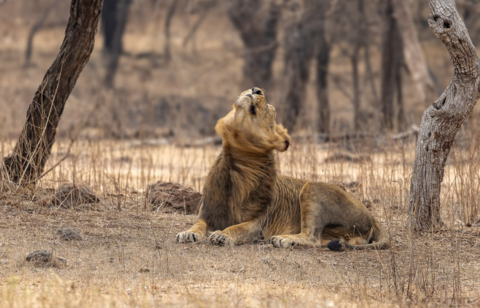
(252, 109)
(258, 92)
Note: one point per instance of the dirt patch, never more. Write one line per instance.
(173, 197)
(70, 195)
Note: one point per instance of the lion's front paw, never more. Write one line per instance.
(188, 237)
(220, 238)
(282, 242)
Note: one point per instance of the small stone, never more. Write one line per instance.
(39, 256)
(144, 270)
(69, 234)
(43, 258)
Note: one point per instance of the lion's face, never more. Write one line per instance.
(251, 125)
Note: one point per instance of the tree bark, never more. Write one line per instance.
(259, 36)
(114, 21)
(401, 118)
(30, 154)
(322, 51)
(414, 56)
(390, 55)
(33, 31)
(168, 21)
(304, 39)
(298, 54)
(441, 121)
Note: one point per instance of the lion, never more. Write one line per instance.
(246, 199)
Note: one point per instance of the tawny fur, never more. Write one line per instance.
(244, 198)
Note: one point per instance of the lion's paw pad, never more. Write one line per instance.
(219, 238)
(188, 237)
(282, 242)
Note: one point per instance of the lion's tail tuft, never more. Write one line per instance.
(336, 245)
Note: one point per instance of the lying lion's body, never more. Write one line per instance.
(245, 199)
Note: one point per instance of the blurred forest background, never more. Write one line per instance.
(171, 68)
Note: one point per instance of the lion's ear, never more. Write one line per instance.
(283, 138)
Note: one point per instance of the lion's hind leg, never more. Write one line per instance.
(311, 223)
(301, 239)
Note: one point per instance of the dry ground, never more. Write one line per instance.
(128, 256)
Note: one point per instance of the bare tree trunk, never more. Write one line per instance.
(36, 27)
(30, 154)
(365, 39)
(323, 60)
(298, 53)
(356, 88)
(318, 9)
(258, 31)
(389, 49)
(168, 21)
(205, 10)
(114, 21)
(414, 56)
(441, 121)
(305, 38)
(401, 118)
(354, 59)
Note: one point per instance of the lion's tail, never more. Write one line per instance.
(380, 237)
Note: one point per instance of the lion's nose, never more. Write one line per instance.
(287, 144)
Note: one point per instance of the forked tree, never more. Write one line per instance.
(257, 23)
(442, 120)
(27, 161)
(305, 38)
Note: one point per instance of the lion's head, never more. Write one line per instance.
(251, 125)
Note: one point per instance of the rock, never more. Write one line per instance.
(43, 258)
(69, 234)
(173, 197)
(69, 195)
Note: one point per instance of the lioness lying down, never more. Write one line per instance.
(244, 198)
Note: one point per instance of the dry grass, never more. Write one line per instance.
(129, 256)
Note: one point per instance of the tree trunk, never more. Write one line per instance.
(30, 154)
(258, 31)
(322, 50)
(390, 48)
(114, 21)
(441, 121)
(368, 66)
(168, 21)
(323, 60)
(401, 118)
(305, 38)
(414, 57)
(298, 53)
(36, 27)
